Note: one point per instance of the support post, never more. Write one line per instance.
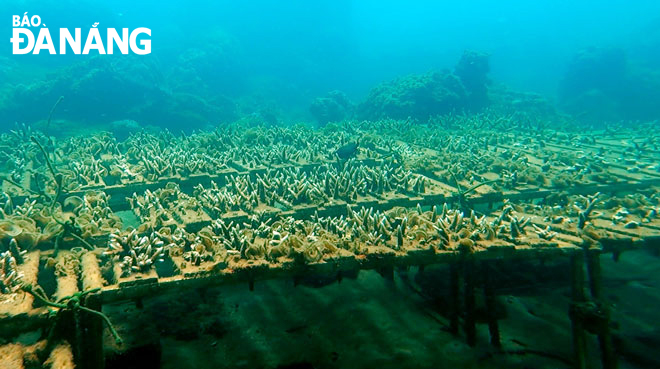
(91, 335)
(454, 298)
(387, 272)
(577, 297)
(608, 356)
(489, 292)
(470, 318)
(595, 274)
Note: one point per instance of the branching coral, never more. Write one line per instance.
(288, 187)
(92, 213)
(135, 253)
(584, 212)
(240, 183)
(163, 207)
(10, 277)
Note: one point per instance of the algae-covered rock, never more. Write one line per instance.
(102, 90)
(434, 93)
(601, 84)
(602, 69)
(334, 107)
(213, 64)
(415, 96)
(95, 89)
(473, 70)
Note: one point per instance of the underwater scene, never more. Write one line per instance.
(330, 184)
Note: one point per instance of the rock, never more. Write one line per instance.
(334, 107)
(415, 96)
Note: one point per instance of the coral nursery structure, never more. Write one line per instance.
(100, 220)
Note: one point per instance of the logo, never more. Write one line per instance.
(24, 42)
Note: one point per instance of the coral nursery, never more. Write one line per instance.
(329, 184)
(124, 220)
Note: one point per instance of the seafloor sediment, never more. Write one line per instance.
(90, 221)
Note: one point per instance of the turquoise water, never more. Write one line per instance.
(329, 184)
(216, 62)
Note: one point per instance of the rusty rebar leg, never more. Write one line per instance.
(91, 336)
(608, 355)
(578, 297)
(454, 297)
(595, 275)
(489, 292)
(387, 272)
(470, 319)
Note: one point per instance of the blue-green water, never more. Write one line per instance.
(215, 62)
(375, 165)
